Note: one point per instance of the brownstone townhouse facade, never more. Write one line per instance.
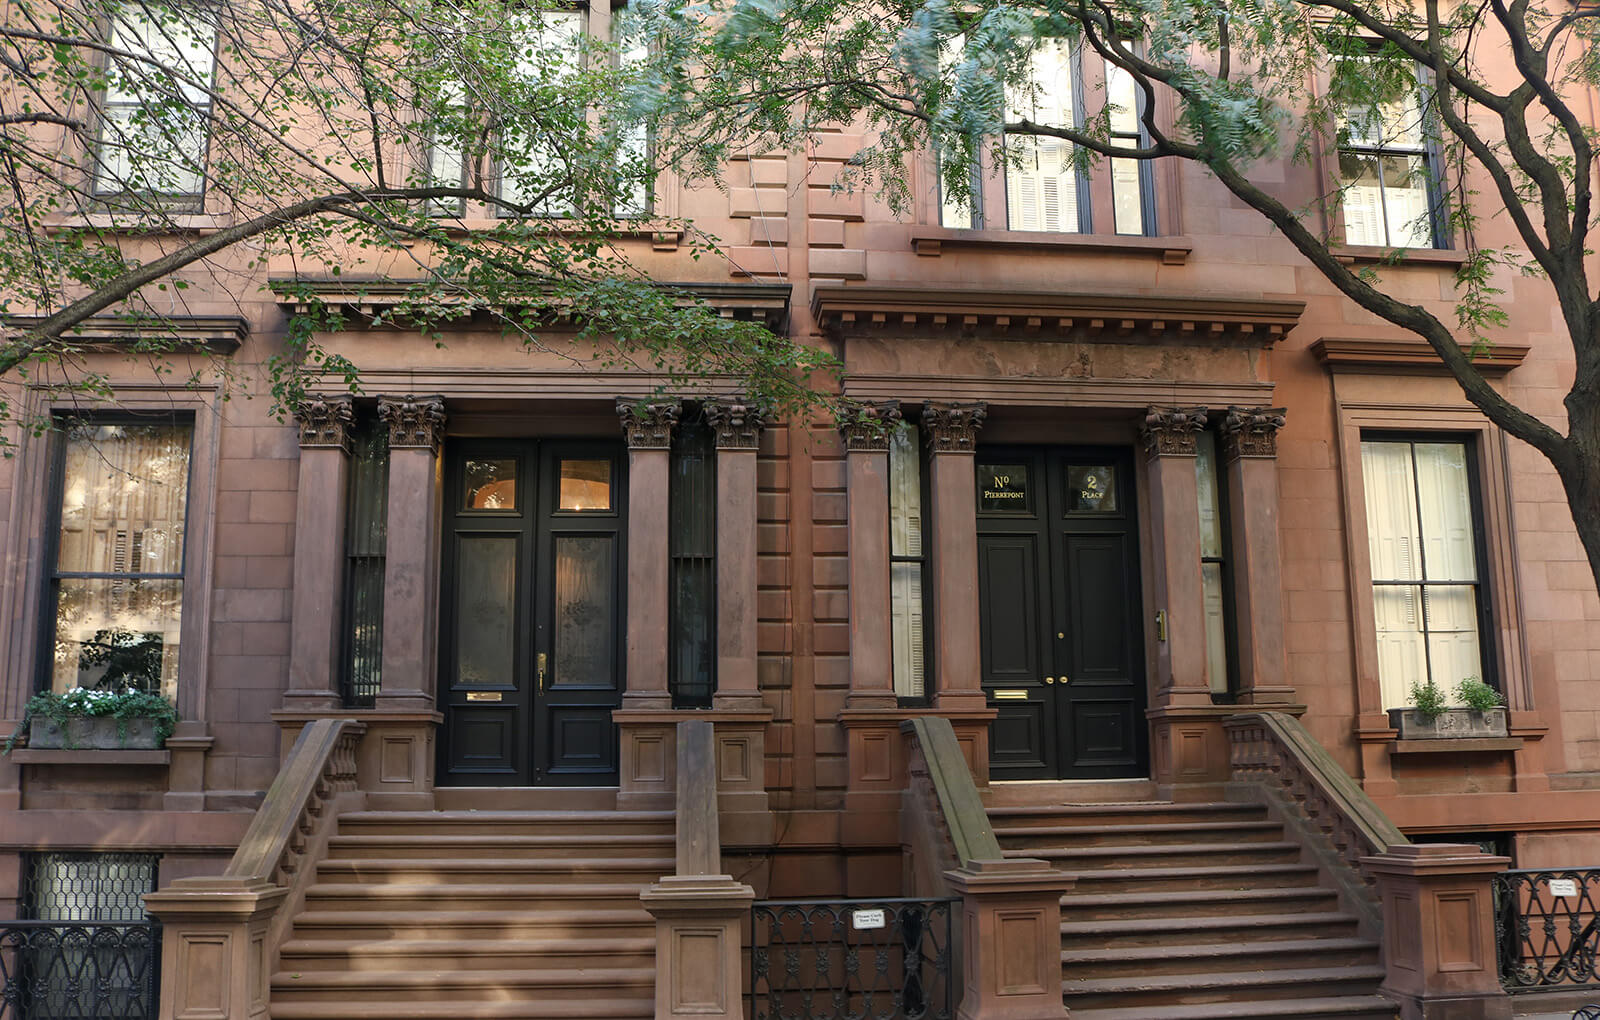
(1119, 478)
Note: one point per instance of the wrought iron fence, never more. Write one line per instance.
(55, 971)
(1547, 928)
(851, 959)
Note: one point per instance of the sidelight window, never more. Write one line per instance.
(692, 554)
(908, 564)
(115, 587)
(1214, 567)
(366, 537)
(1425, 550)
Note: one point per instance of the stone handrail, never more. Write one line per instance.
(321, 764)
(960, 811)
(1272, 749)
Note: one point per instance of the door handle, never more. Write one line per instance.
(543, 661)
(1049, 679)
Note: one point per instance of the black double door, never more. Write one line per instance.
(531, 612)
(1058, 590)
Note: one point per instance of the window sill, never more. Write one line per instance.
(663, 236)
(1456, 745)
(1369, 254)
(1173, 251)
(199, 224)
(80, 756)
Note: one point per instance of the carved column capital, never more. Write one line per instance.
(1252, 431)
(325, 421)
(1170, 431)
(647, 425)
(868, 426)
(953, 428)
(415, 423)
(736, 421)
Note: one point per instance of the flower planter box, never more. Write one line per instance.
(1451, 724)
(96, 733)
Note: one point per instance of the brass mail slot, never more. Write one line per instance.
(1011, 695)
(484, 695)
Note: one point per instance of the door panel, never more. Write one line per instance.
(1062, 651)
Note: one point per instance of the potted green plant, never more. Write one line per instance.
(96, 719)
(1479, 712)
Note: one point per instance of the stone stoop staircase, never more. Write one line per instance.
(478, 913)
(1195, 912)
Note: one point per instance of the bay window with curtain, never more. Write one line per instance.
(908, 565)
(1425, 548)
(115, 584)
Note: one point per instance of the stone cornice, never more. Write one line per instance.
(1170, 431)
(867, 426)
(1055, 316)
(1408, 357)
(414, 422)
(1252, 431)
(325, 421)
(736, 422)
(953, 428)
(366, 298)
(216, 334)
(647, 425)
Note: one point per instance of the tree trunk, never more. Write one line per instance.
(1580, 475)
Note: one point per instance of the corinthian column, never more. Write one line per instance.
(737, 424)
(647, 428)
(411, 552)
(952, 431)
(319, 523)
(1250, 452)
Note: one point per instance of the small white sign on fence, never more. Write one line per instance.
(865, 920)
(1562, 886)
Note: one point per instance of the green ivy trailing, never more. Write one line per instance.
(87, 703)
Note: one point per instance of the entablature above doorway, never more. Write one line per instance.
(917, 311)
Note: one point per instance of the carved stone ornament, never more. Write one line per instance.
(325, 421)
(414, 422)
(953, 428)
(868, 426)
(737, 422)
(647, 425)
(1252, 431)
(1170, 431)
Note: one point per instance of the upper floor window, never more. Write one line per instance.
(1424, 541)
(1041, 188)
(692, 555)
(1389, 176)
(156, 107)
(115, 587)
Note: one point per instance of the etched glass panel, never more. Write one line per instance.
(1091, 489)
(585, 608)
(491, 484)
(486, 603)
(584, 485)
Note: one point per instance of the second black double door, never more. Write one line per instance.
(531, 612)
(1058, 590)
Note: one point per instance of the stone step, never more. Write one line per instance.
(1157, 991)
(511, 823)
(1131, 962)
(1176, 855)
(1198, 903)
(1343, 1007)
(1158, 931)
(492, 896)
(1160, 834)
(434, 984)
(523, 1007)
(566, 846)
(511, 920)
(487, 953)
(1135, 813)
(1257, 876)
(640, 871)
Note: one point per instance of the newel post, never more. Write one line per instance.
(1011, 939)
(1438, 931)
(699, 912)
(216, 954)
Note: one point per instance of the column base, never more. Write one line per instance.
(394, 759)
(649, 766)
(1189, 757)
(312, 701)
